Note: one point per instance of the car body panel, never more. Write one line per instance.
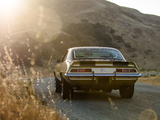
(103, 74)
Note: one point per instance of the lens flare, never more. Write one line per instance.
(148, 114)
(43, 24)
(8, 6)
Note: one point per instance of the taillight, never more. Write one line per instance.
(88, 70)
(133, 70)
(81, 70)
(74, 70)
(126, 70)
(118, 70)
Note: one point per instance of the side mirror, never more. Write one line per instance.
(58, 61)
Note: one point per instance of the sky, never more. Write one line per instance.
(144, 6)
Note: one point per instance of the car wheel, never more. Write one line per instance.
(65, 90)
(71, 93)
(109, 90)
(57, 85)
(126, 91)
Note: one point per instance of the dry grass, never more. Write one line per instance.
(16, 102)
(153, 80)
(17, 94)
(42, 72)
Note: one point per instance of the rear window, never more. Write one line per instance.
(97, 53)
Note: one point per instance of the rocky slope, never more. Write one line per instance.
(45, 29)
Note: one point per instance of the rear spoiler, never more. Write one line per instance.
(105, 64)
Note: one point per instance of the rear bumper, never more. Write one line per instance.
(101, 81)
(98, 75)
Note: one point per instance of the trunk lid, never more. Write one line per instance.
(104, 64)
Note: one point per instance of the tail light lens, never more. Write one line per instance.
(88, 70)
(126, 70)
(133, 70)
(118, 70)
(74, 70)
(81, 70)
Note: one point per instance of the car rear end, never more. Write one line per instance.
(101, 75)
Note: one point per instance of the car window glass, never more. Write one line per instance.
(98, 53)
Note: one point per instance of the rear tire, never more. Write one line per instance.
(67, 91)
(109, 91)
(126, 91)
(71, 93)
(57, 85)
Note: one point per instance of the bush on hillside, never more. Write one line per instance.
(97, 31)
(112, 31)
(138, 31)
(131, 15)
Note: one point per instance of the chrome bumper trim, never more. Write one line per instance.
(98, 75)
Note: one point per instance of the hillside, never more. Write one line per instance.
(47, 28)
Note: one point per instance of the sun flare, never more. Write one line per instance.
(8, 6)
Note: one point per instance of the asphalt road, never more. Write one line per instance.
(145, 104)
